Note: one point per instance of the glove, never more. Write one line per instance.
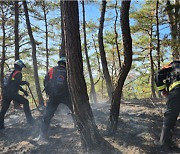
(27, 83)
(164, 93)
(26, 93)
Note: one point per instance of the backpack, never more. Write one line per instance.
(57, 80)
(9, 77)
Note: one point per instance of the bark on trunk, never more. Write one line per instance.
(3, 45)
(36, 77)
(127, 44)
(92, 95)
(16, 30)
(97, 56)
(153, 93)
(46, 26)
(157, 33)
(62, 48)
(16, 38)
(103, 54)
(174, 18)
(116, 36)
(90, 137)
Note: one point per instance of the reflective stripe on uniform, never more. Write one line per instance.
(14, 74)
(50, 73)
(161, 87)
(173, 85)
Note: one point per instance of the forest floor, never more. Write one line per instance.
(140, 123)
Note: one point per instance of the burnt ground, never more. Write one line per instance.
(140, 123)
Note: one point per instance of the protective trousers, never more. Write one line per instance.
(19, 99)
(51, 108)
(170, 116)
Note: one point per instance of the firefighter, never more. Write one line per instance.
(56, 88)
(11, 85)
(168, 83)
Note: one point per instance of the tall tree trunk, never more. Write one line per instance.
(3, 44)
(113, 69)
(151, 64)
(177, 23)
(16, 39)
(16, 30)
(177, 12)
(157, 33)
(62, 48)
(46, 26)
(102, 88)
(127, 44)
(116, 36)
(36, 77)
(174, 18)
(97, 56)
(99, 67)
(93, 97)
(90, 137)
(102, 52)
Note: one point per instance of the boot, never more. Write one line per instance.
(165, 136)
(29, 118)
(166, 139)
(43, 134)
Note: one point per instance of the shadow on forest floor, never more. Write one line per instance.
(140, 123)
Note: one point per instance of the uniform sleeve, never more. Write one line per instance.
(160, 79)
(46, 79)
(18, 78)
